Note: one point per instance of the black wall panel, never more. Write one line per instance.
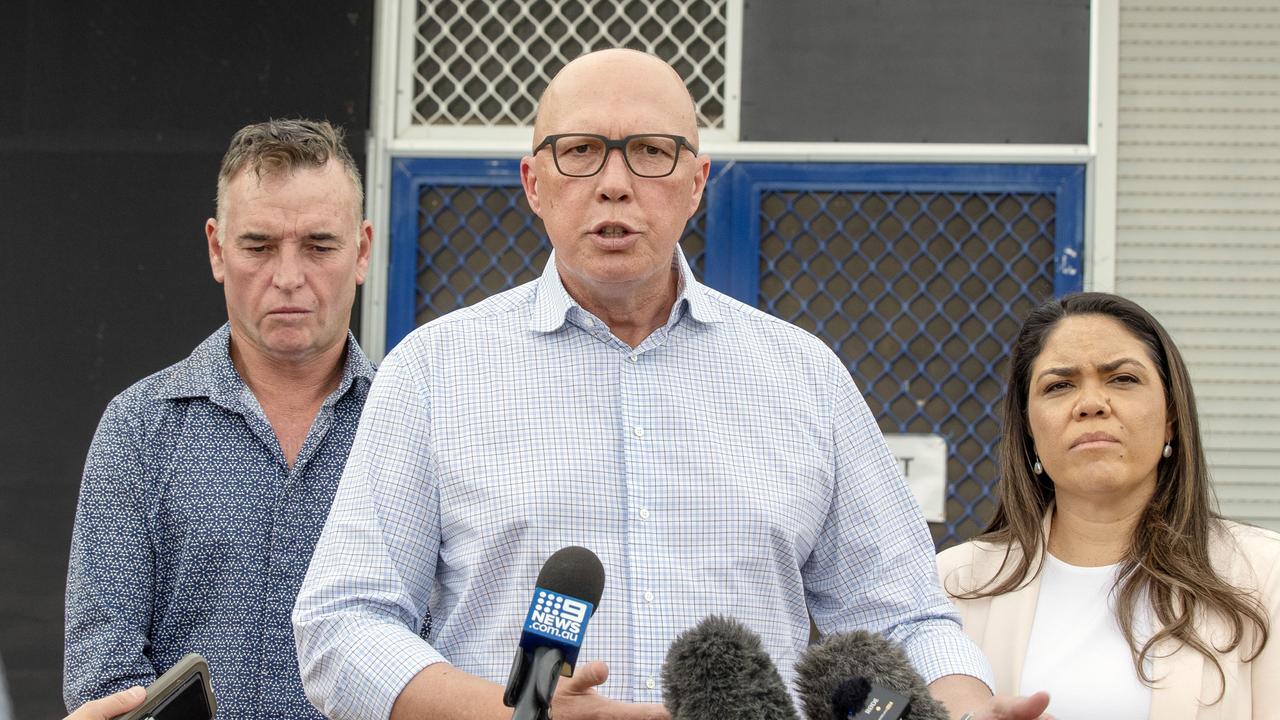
(988, 71)
(113, 118)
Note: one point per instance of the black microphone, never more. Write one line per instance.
(719, 670)
(568, 592)
(850, 697)
(894, 688)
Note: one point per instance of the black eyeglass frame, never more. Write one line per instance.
(620, 145)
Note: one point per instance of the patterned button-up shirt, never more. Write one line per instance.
(726, 465)
(193, 534)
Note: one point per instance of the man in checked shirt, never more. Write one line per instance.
(716, 459)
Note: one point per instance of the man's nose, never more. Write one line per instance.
(615, 178)
(288, 273)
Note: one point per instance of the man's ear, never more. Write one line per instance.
(529, 179)
(215, 249)
(365, 238)
(699, 182)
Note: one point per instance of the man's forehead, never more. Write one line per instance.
(312, 194)
(273, 175)
(328, 185)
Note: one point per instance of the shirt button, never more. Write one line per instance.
(639, 431)
(648, 596)
(633, 359)
(644, 513)
(649, 683)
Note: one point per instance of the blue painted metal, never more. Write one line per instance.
(410, 178)
(928, 333)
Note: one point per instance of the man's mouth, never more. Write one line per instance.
(612, 230)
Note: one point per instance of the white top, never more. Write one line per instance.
(1077, 652)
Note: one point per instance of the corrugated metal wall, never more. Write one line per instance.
(1198, 221)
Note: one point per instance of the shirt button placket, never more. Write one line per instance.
(643, 533)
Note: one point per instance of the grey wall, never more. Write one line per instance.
(990, 71)
(113, 118)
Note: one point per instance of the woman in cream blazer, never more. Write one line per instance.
(1102, 467)
(1246, 557)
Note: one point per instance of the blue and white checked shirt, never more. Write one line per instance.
(726, 465)
(193, 534)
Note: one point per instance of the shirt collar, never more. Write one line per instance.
(553, 303)
(209, 372)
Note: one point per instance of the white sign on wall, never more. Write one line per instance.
(922, 460)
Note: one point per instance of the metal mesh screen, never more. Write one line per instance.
(920, 294)
(917, 276)
(486, 62)
(475, 241)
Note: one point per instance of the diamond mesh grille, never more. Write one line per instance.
(475, 241)
(919, 291)
(485, 62)
(920, 294)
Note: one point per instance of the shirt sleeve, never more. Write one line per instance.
(366, 591)
(110, 574)
(873, 567)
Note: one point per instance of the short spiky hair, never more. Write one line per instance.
(287, 145)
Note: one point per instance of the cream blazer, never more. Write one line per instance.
(1246, 556)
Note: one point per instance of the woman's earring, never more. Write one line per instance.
(1038, 469)
(1168, 450)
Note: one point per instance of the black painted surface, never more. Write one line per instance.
(113, 118)
(989, 71)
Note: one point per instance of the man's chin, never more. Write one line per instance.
(289, 345)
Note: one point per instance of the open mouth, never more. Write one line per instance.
(612, 230)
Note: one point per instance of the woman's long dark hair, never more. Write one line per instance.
(1168, 555)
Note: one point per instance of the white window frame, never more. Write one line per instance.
(392, 136)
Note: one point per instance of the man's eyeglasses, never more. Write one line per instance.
(650, 155)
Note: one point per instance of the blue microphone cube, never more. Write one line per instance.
(556, 619)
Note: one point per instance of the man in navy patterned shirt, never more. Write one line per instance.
(208, 482)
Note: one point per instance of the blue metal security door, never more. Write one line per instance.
(916, 275)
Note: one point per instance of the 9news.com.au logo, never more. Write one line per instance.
(557, 616)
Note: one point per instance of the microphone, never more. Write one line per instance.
(568, 591)
(828, 676)
(719, 670)
(850, 697)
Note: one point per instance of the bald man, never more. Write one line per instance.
(716, 459)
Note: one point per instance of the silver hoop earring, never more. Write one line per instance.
(1037, 468)
(1168, 450)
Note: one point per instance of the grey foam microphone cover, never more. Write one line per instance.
(839, 657)
(719, 670)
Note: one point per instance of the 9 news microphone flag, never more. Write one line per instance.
(568, 591)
